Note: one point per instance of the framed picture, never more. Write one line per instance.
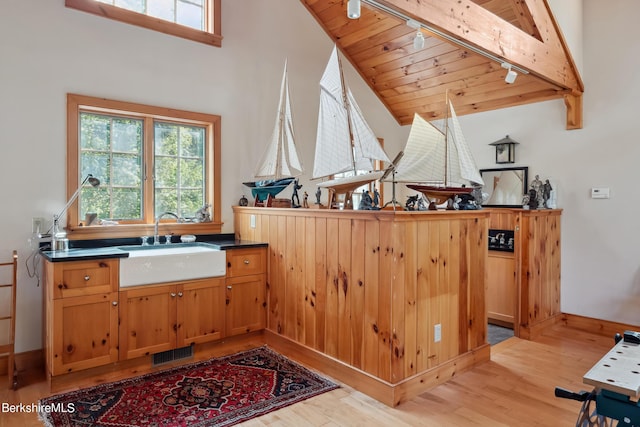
(505, 186)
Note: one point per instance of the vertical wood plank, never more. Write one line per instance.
(410, 298)
(423, 335)
(357, 292)
(371, 296)
(321, 278)
(331, 320)
(290, 293)
(398, 302)
(299, 277)
(310, 315)
(384, 300)
(345, 283)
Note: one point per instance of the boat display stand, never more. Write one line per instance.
(616, 381)
(265, 203)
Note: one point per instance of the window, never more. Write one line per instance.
(149, 160)
(197, 20)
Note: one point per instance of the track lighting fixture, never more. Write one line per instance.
(418, 41)
(353, 9)
(511, 74)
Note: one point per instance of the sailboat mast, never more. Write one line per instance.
(345, 102)
(446, 139)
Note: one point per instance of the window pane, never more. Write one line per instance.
(127, 135)
(135, 5)
(163, 9)
(190, 14)
(179, 168)
(126, 204)
(111, 150)
(94, 132)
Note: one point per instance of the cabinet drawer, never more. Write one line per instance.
(242, 262)
(72, 279)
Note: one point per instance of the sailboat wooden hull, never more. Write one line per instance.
(440, 195)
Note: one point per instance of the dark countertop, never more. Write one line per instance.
(81, 250)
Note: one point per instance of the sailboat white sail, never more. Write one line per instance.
(439, 162)
(345, 142)
(280, 162)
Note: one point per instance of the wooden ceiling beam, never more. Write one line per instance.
(467, 21)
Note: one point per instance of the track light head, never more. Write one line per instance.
(418, 41)
(353, 9)
(511, 74)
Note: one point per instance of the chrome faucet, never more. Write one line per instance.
(156, 236)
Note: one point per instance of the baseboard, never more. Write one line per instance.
(390, 394)
(26, 361)
(533, 332)
(605, 328)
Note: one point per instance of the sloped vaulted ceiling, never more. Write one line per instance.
(466, 43)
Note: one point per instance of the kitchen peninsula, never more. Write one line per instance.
(390, 302)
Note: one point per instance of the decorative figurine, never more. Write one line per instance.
(376, 198)
(203, 215)
(243, 201)
(536, 186)
(295, 199)
(305, 202)
(411, 203)
(366, 203)
(546, 193)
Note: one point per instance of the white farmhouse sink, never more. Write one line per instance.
(148, 265)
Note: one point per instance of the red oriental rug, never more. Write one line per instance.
(216, 392)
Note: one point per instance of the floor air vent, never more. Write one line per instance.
(171, 355)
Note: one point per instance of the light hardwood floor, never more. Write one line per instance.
(516, 388)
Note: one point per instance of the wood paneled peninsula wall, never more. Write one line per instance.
(358, 294)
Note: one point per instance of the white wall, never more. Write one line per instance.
(48, 50)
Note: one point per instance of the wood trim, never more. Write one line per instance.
(77, 103)
(25, 361)
(602, 327)
(383, 391)
(531, 332)
(213, 35)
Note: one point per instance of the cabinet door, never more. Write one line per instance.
(147, 320)
(85, 332)
(246, 304)
(200, 311)
(501, 289)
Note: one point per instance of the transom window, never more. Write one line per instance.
(197, 20)
(148, 162)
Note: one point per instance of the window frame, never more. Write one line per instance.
(80, 103)
(211, 36)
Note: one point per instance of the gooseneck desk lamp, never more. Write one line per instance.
(59, 241)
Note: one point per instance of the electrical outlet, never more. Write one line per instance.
(37, 225)
(437, 333)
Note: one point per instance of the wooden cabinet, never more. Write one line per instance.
(501, 288)
(246, 290)
(81, 314)
(163, 317)
(533, 293)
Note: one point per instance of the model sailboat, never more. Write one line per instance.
(438, 163)
(280, 163)
(345, 143)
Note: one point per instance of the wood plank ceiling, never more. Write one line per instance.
(407, 80)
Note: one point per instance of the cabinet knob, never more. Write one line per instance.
(173, 294)
(246, 261)
(180, 294)
(114, 303)
(229, 287)
(86, 278)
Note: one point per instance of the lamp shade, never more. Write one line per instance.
(505, 150)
